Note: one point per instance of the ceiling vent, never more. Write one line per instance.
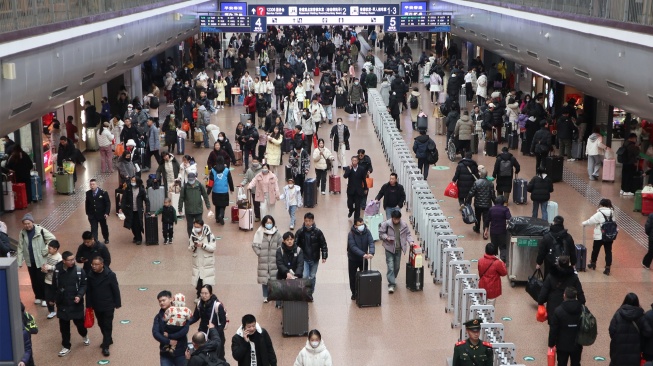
(484, 36)
(111, 67)
(554, 63)
(462, 28)
(87, 78)
(650, 98)
(498, 41)
(169, 39)
(513, 47)
(158, 44)
(532, 54)
(131, 57)
(616, 86)
(188, 30)
(58, 92)
(145, 50)
(20, 109)
(472, 32)
(582, 73)
(179, 34)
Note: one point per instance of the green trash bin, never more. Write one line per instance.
(638, 201)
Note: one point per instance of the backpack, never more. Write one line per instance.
(216, 306)
(431, 152)
(587, 329)
(30, 323)
(621, 154)
(558, 248)
(414, 103)
(154, 102)
(505, 168)
(609, 229)
(211, 359)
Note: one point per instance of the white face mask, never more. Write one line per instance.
(315, 344)
(220, 138)
(133, 184)
(360, 227)
(191, 181)
(339, 123)
(197, 230)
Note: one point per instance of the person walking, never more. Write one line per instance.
(290, 261)
(498, 216)
(393, 194)
(32, 249)
(356, 187)
(314, 352)
(340, 140)
(48, 268)
(103, 296)
(541, 144)
(561, 276)
(465, 176)
(178, 340)
(396, 238)
(209, 310)
(595, 150)
(252, 345)
(415, 104)
(153, 145)
(360, 247)
(626, 329)
(192, 195)
(604, 213)
(421, 146)
(629, 160)
(70, 284)
(490, 271)
(463, 132)
(300, 164)
(504, 167)
(312, 242)
(98, 207)
(273, 150)
(221, 184)
(254, 168)
(540, 188)
(323, 160)
(564, 324)
(648, 229)
(104, 140)
(266, 186)
(356, 97)
(89, 249)
(483, 193)
(133, 205)
(202, 244)
(266, 241)
(557, 242)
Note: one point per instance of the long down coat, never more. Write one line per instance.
(265, 247)
(203, 257)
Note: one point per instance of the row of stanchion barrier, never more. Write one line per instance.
(443, 258)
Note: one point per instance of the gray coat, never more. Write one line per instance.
(464, 128)
(265, 247)
(153, 139)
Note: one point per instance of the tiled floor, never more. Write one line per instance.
(408, 326)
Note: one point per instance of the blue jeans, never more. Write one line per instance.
(169, 361)
(310, 270)
(328, 109)
(206, 136)
(266, 291)
(544, 206)
(393, 260)
(388, 212)
(291, 212)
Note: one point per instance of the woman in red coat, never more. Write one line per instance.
(490, 271)
(250, 103)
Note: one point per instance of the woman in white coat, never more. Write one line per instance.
(186, 167)
(266, 241)
(435, 88)
(202, 245)
(314, 352)
(320, 157)
(300, 93)
(481, 89)
(603, 214)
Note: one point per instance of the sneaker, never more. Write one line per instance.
(87, 341)
(64, 351)
(265, 300)
(571, 159)
(37, 301)
(106, 241)
(44, 304)
(629, 194)
(391, 289)
(52, 315)
(292, 227)
(359, 116)
(323, 193)
(621, 192)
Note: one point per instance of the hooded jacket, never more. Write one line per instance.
(241, 349)
(540, 188)
(265, 247)
(310, 356)
(203, 256)
(541, 137)
(564, 324)
(504, 183)
(595, 145)
(464, 128)
(498, 216)
(452, 121)
(483, 193)
(420, 146)
(625, 336)
(599, 218)
(546, 248)
(464, 178)
(359, 243)
(554, 287)
(490, 270)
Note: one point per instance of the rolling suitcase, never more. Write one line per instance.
(151, 230)
(462, 98)
(520, 194)
(373, 222)
(20, 195)
(244, 117)
(91, 139)
(36, 187)
(287, 145)
(578, 150)
(181, 146)
(309, 193)
(156, 197)
(474, 144)
(246, 219)
(414, 278)
(422, 123)
(295, 318)
(554, 166)
(234, 214)
(513, 141)
(581, 256)
(9, 203)
(239, 157)
(368, 287)
(551, 211)
(64, 184)
(609, 167)
(491, 148)
(334, 183)
(638, 201)
(341, 101)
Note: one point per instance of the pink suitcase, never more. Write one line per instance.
(609, 166)
(246, 219)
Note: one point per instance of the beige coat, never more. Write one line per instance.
(203, 257)
(273, 151)
(265, 247)
(320, 156)
(464, 128)
(40, 242)
(259, 184)
(220, 87)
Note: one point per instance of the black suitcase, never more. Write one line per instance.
(553, 166)
(581, 257)
(423, 123)
(491, 148)
(513, 141)
(295, 318)
(525, 149)
(368, 288)
(151, 230)
(474, 144)
(288, 173)
(519, 192)
(287, 144)
(309, 192)
(414, 278)
(341, 101)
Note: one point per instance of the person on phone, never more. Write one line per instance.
(252, 345)
(89, 249)
(204, 348)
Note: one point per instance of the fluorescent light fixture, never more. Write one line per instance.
(535, 72)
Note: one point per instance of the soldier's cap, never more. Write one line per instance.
(474, 324)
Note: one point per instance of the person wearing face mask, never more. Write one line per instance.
(292, 110)
(202, 244)
(290, 260)
(360, 247)
(221, 184)
(126, 168)
(300, 93)
(226, 146)
(309, 128)
(356, 97)
(266, 187)
(266, 241)
(279, 91)
(248, 141)
(133, 204)
(254, 169)
(317, 113)
(130, 113)
(340, 138)
(356, 187)
(220, 88)
(190, 201)
(323, 159)
(314, 352)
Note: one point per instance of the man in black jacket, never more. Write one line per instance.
(394, 194)
(98, 206)
(483, 193)
(129, 132)
(69, 282)
(326, 99)
(566, 129)
(241, 344)
(356, 187)
(555, 243)
(540, 187)
(89, 249)
(393, 108)
(249, 140)
(103, 295)
(204, 351)
(563, 329)
(66, 151)
(340, 137)
(179, 340)
(541, 144)
(311, 241)
(629, 183)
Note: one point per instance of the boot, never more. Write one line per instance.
(592, 266)
(607, 271)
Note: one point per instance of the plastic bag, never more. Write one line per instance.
(372, 208)
(89, 318)
(527, 226)
(451, 190)
(68, 167)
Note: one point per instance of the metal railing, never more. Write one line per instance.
(22, 14)
(629, 11)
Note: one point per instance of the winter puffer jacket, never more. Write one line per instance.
(540, 188)
(625, 337)
(598, 218)
(452, 120)
(498, 216)
(420, 146)
(483, 193)
(464, 178)
(491, 269)
(547, 247)
(647, 341)
(565, 322)
(464, 128)
(554, 287)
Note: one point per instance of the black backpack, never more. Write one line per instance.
(414, 103)
(609, 229)
(558, 248)
(505, 168)
(154, 102)
(431, 152)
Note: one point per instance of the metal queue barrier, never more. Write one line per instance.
(448, 267)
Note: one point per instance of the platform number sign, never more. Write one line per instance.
(258, 24)
(391, 23)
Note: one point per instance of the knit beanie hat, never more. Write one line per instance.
(28, 216)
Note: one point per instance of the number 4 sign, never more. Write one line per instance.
(258, 24)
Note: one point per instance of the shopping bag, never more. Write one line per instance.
(68, 167)
(120, 148)
(370, 182)
(185, 126)
(551, 356)
(297, 289)
(235, 90)
(242, 201)
(89, 318)
(372, 208)
(451, 190)
(535, 284)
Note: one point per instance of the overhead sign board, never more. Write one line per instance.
(224, 23)
(432, 23)
(413, 7)
(257, 25)
(230, 8)
(324, 14)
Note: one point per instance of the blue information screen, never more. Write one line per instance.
(413, 7)
(6, 345)
(233, 8)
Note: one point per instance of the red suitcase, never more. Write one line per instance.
(647, 204)
(20, 197)
(609, 166)
(234, 214)
(334, 182)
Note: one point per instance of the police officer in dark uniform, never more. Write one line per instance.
(473, 352)
(98, 206)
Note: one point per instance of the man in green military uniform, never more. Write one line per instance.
(473, 352)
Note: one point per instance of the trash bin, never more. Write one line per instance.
(522, 255)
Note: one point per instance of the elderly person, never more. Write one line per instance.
(202, 245)
(266, 186)
(133, 204)
(484, 197)
(266, 241)
(126, 168)
(33, 250)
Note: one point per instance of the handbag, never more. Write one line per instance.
(451, 190)
(535, 284)
(349, 108)
(242, 202)
(369, 181)
(315, 141)
(89, 318)
(235, 90)
(296, 289)
(185, 126)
